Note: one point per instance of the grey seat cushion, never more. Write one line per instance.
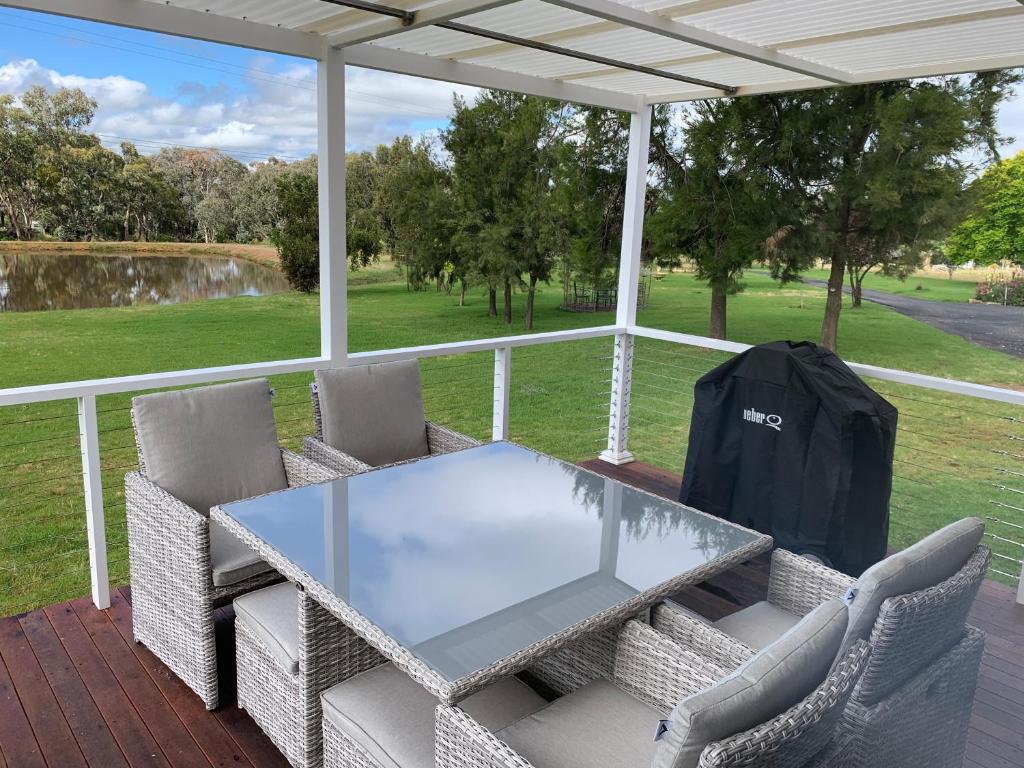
(770, 682)
(211, 445)
(596, 726)
(231, 560)
(928, 562)
(758, 625)
(392, 717)
(272, 614)
(374, 412)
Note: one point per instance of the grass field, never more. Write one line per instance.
(915, 286)
(952, 453)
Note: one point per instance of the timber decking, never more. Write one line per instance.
(75, 689)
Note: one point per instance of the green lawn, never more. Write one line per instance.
(948, 457)
(930, 288)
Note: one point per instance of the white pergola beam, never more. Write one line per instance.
(660, 25)
(436, 14)
(166, 19)
(436, 68)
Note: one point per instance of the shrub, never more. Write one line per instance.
(1009, 292)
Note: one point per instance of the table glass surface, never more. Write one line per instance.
(468, 557)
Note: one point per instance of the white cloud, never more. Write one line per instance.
(1011, 124)
(274, 115)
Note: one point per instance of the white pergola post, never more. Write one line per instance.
(95, 525)
(617, 451)
(333, 251)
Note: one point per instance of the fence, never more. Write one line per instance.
(65, 448)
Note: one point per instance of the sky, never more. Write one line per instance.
(158, 90)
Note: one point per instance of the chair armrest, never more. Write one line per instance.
(658, 670)
(303, 471)
(443, 440)
(799, 585)
(331, 458)
(700, 636)
(165, 535)
(461, 742)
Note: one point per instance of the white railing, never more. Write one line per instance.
(620, 394)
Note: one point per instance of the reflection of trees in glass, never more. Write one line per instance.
(42, 281)
(645, 515)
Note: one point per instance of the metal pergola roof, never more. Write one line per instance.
(616, 53)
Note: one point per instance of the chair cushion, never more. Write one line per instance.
(392, 716)
(596, 726)
(758, 625)
(769, 683)
(374, 412)
(272, 614)
(928, 562)
(231, 560)
(211, 445)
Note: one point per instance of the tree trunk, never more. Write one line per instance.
(530, 296)
(462, 293)
(508, 302)
(716, 329)
(492, 301)
(856, 280)
(833, 303)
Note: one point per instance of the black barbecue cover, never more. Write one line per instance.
(786, 439)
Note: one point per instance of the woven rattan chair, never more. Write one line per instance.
(199, 448)
(372, 416)
(802, 736)
(289, 650)
(913, 704)
(776, 707)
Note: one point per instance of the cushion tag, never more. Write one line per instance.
(664, 726)
(850, 595)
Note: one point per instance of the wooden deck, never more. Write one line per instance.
(75, 690)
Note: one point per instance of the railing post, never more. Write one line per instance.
(637, 162)
(94, 518)
(502, 382)
(617, 451)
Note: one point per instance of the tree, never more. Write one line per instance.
(207, 181)
(298, 237)
(718, 211)
(994, 229)
(503, 159)
(872, 165)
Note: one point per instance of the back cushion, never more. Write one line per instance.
(374, 412)
(928, 562)
(211, 445)
(772, 681)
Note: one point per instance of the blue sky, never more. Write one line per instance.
(159, 90)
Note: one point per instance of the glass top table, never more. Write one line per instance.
(465, 567)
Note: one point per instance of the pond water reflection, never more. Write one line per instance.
(42, 281)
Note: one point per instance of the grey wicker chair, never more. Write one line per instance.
(802, 736)
(198, 448)
(371, 416)
(914, 700)
(782, 709)
(289, 650)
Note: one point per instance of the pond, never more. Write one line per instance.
(41, 281)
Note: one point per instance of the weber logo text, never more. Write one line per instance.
(767, 419)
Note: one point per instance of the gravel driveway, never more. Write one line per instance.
(987, 325)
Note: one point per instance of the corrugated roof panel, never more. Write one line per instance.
(766, 22)
(964, 42)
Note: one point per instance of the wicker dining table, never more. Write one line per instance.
(465, 568)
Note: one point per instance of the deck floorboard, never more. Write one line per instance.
(75, 689)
